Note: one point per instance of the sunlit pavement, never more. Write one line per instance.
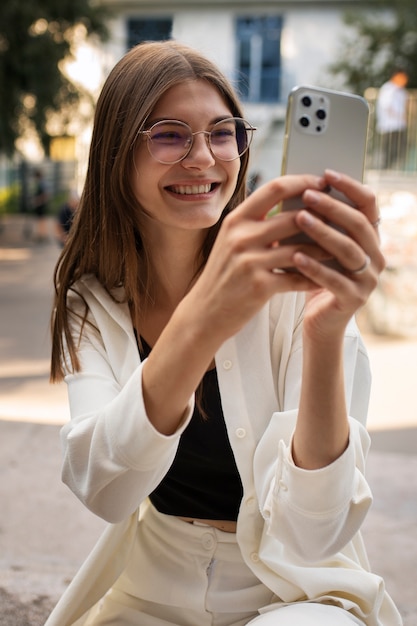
(45, 533)
(25, 303)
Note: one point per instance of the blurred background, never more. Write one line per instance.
(54, 58)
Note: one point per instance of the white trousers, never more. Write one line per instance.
(184, 574)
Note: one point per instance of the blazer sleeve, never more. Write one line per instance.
(113, 456)
(315, 513)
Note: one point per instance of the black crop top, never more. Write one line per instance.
(203, 481)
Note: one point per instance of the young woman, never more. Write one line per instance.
(222, 395)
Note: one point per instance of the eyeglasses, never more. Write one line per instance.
(170, 141)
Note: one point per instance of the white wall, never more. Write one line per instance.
(310, 40)
(211, 32)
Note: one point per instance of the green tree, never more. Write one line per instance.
(35, 37)
(376, 41)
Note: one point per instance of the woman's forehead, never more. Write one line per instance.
(191, 98)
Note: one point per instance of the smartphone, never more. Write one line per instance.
(323, 129)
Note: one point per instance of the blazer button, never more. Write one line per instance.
(208, 541)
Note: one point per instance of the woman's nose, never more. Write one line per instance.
(200, 154)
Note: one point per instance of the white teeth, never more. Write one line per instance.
(191, 189)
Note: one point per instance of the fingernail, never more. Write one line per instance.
(306, 218)
(311, 197)
(301, 259)
(333, 174)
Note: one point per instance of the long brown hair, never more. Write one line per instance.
(106, 238)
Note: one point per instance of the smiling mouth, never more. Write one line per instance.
(191, 190)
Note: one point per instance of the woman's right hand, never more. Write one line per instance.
(242, 272)
(238, 279)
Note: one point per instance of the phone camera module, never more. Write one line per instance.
(321, 114)
(304, 121)
(306, 100)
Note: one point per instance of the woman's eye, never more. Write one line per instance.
(222, 134)
(168, 136)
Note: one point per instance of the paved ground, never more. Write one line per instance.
(45, 533)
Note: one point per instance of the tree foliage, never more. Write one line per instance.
(376, 41)
(35, 36)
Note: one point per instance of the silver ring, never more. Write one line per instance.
(376, 223)
(363, 267)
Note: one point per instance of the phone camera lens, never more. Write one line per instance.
(306, 100)
(305, 121)
(321, 114)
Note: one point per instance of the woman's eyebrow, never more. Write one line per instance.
(155, 120)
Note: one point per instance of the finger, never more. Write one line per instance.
(347, 219)
(280, 230)
(376, 224)
(363, 268)
(281, 257)
(245, 234)
(349, 253)
(337, 212)
(265, 198)
(343, 287)
(361, 196)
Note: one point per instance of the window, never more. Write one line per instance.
(148, 29)
(259, 58)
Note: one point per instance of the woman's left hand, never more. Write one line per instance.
(322, 431)
(340, 292)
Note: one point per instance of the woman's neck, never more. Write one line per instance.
(173, 266)
(171, 278)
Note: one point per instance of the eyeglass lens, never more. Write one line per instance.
(170, 141)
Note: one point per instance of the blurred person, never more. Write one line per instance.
(254, 182)
(218, 402)
(40, 207)
(391, 116)
(65, 217)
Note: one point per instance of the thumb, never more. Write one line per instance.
(266, 197)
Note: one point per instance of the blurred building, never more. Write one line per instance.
(264, 47)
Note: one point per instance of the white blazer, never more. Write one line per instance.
(298, 530)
